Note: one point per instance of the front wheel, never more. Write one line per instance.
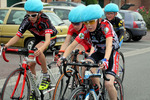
(78, 94)
(62, 90)
(11, 86)
(121, 71)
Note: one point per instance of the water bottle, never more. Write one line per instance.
(96, 88)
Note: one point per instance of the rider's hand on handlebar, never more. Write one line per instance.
(57, 57)
(103, 64)
(60, 60)
(37, 52)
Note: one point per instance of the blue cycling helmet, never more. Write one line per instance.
(74, 14)
(111, 7)
(33, 5)
(91, 12)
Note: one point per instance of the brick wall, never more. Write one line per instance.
(136, 2)
(146, 4)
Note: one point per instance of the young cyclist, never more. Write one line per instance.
(111, 10)
(74, 29)
(104, 40)
(41, 27)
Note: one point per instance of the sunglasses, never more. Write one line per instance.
(32, 15)
(75, 23)
(90, 22)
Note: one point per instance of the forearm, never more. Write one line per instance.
(70, 48)
(46, 43)
(92, 50)
(66, 42)
(12, 41)
(108, 48)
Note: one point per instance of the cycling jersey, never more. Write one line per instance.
(118, 25)
(98, 37)
(74, 33)
(38, 29)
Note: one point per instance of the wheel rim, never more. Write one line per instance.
(30, 44)
(127, 36)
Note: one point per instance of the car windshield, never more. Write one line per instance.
(56, 21)
(3, 13)
(137, 16)
(62, 13)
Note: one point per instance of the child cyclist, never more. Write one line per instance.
(111, 10)
(74, 29)
(104, 40)
(41, 27)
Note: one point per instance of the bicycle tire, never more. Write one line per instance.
(58, 93)
(54, 72)
(120, 91)
(121, 66)
(9, 85)
(78, 94)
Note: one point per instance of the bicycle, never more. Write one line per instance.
(86, 90)
(18, 84)
(121, 70)
(70, 75)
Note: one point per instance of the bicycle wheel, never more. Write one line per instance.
(62, 91)
(78, 94)
(119, 87)
(121, 66)
(54, 72)
(10, 83)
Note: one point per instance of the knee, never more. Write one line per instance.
(109, 84)
(32, 65)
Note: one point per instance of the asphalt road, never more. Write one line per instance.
(137, 60)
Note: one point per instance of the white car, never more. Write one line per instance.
(61, 11)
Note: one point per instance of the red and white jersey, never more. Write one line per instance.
(98, 37)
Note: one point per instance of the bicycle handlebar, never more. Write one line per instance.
(83, 64)
(23, 51)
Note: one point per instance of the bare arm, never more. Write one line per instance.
(12, 41)
(92, 50)
(46, 43)
(66, 43)
(108, 47)
(70, 48)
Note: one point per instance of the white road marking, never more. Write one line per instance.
(136, 52)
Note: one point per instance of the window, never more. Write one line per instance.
(3, 13)
(16, 17)
(137, 16)
(62, 13)
(56, 21)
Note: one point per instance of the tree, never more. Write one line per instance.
(87, 2)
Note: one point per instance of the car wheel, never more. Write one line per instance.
(127, 36)
(29, 43)
(137, 38)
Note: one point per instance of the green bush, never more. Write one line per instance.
(146, 15)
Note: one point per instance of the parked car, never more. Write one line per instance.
(64, 3)
(11, 18)
(61, 11)
(134, 24)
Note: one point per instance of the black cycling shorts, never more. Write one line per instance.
(113, 61)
